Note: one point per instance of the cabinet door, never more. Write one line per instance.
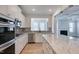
(4, 12)
(4, 9)
(20, 43)
(23, 20)
(18, 46)
(13, 11)
(24, 41)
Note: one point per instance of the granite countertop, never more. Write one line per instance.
(63, 44)
(20, 35)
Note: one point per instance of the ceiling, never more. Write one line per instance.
(39, 9)
(70, 12)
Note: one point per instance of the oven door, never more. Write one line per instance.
(6, 36)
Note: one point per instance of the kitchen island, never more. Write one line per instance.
(62, 44)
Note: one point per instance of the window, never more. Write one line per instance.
(71, 27)
(39, 24)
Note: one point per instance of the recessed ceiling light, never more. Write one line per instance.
(33, 9)
(50, 10)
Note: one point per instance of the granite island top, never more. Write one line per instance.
(63, 44)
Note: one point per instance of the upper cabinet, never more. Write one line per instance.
(23, 20)
(4, 9)
(13, 11)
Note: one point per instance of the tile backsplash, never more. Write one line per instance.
(23, 30)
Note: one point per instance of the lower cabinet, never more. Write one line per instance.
(21, 41)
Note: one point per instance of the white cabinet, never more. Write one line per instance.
(23, 20)
(13, 11)
(10, 11)
(4, 9)
(21, 41)
(4, 12)
(38, 38)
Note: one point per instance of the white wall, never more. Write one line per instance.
(53, 24)
(78, 28)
